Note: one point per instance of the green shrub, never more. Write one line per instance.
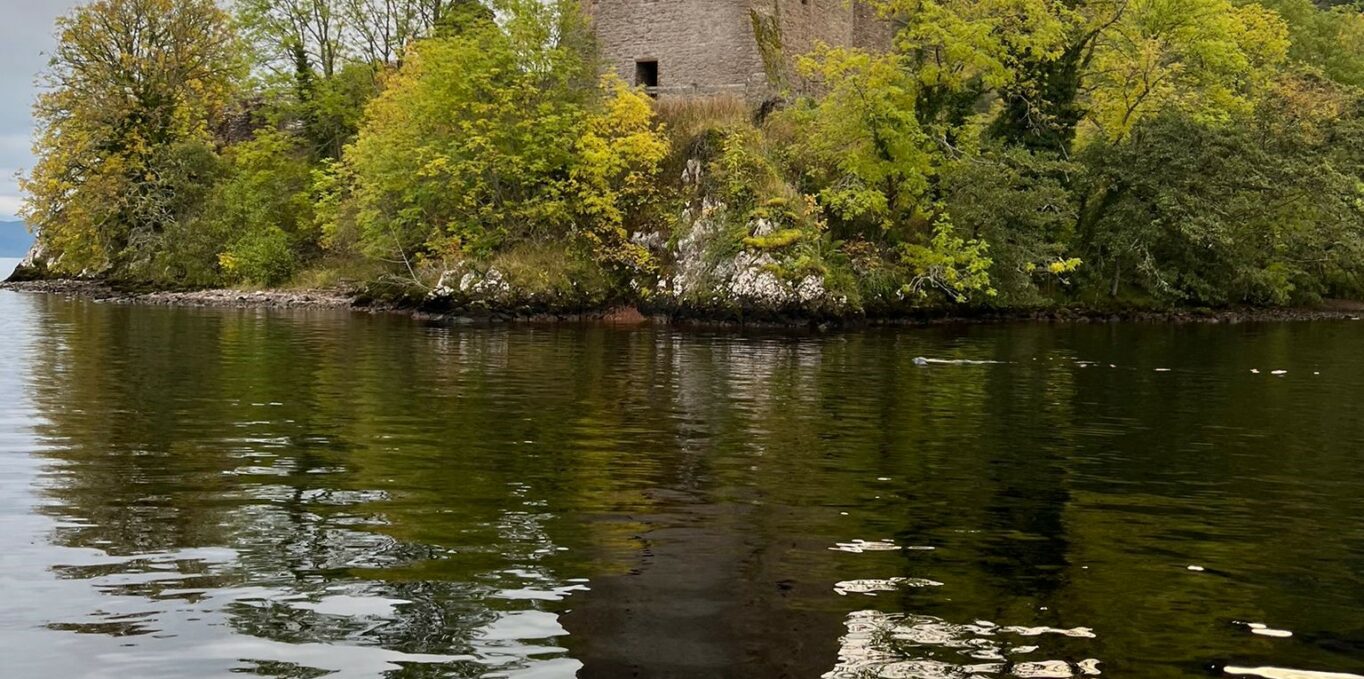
(264, 256)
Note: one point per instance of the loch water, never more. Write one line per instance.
(229, 493)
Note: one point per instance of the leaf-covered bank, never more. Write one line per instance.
(457, 155)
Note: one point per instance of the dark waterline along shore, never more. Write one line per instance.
(347, 299)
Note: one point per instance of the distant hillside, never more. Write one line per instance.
(14, 239)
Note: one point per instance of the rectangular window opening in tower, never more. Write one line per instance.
(646, 75)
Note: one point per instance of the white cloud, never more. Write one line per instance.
(15, 144)
(10, 196)
(9, 206)
(28, 34)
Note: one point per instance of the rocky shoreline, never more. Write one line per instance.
(262, 299)
(335, 299)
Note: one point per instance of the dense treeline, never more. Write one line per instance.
(1004, 153)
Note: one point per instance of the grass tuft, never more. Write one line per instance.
(685, 118)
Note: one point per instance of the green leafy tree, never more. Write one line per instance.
(1205, 58)
(1267, 209)
(948, 264)
(863, 145)
(265, 209)
(1060, 66)
(1330, 38)
(1019, 201)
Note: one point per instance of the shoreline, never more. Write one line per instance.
(338, 299)
(98, 291)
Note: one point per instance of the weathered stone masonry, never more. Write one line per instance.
(708, 47)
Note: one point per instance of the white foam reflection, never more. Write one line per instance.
(921, 361)
(888, 646)
(1267, 631)
(1047, 669)
(1076, 632)
(859, 546)
(871, 586)
(1284, 673)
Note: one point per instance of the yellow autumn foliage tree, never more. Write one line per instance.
(469, 144)
(616, 176)
(1116, 61)
(1205, 58)
(495, 137)
(124, 144)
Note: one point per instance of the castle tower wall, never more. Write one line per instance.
(702, 47)
(708, 47)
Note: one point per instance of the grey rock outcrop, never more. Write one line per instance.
(34, 265)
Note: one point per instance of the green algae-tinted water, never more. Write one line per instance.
(215, 493)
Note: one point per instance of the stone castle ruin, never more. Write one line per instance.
(684, 48)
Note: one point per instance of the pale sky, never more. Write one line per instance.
(26, 38)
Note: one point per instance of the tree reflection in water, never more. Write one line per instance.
(286, 494)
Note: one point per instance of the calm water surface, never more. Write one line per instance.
(214, 493)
